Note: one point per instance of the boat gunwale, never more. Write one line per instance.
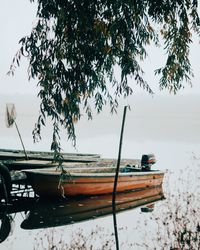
(49, 172)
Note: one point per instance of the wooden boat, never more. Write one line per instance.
(63, 212)
(16, 160)
(91, 179)
(13, 161)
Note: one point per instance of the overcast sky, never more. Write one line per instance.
(16, 20)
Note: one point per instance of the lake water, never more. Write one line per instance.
(82, 224)
(171, 133)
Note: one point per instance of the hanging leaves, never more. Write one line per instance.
(75, 45)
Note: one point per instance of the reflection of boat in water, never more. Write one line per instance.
(56, 213)
(8, 212)
(5, 226)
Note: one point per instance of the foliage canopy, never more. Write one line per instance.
(75, 45)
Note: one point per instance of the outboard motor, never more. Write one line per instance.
(147, 161)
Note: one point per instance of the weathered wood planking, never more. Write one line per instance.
(6, 154)
(37, 163)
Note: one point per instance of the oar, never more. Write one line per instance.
(116, 179)
(11, 116)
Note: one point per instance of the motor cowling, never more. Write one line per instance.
(147, 161)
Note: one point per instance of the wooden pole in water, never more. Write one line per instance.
(116, 179)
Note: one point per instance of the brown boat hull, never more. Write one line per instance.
(87, 185)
